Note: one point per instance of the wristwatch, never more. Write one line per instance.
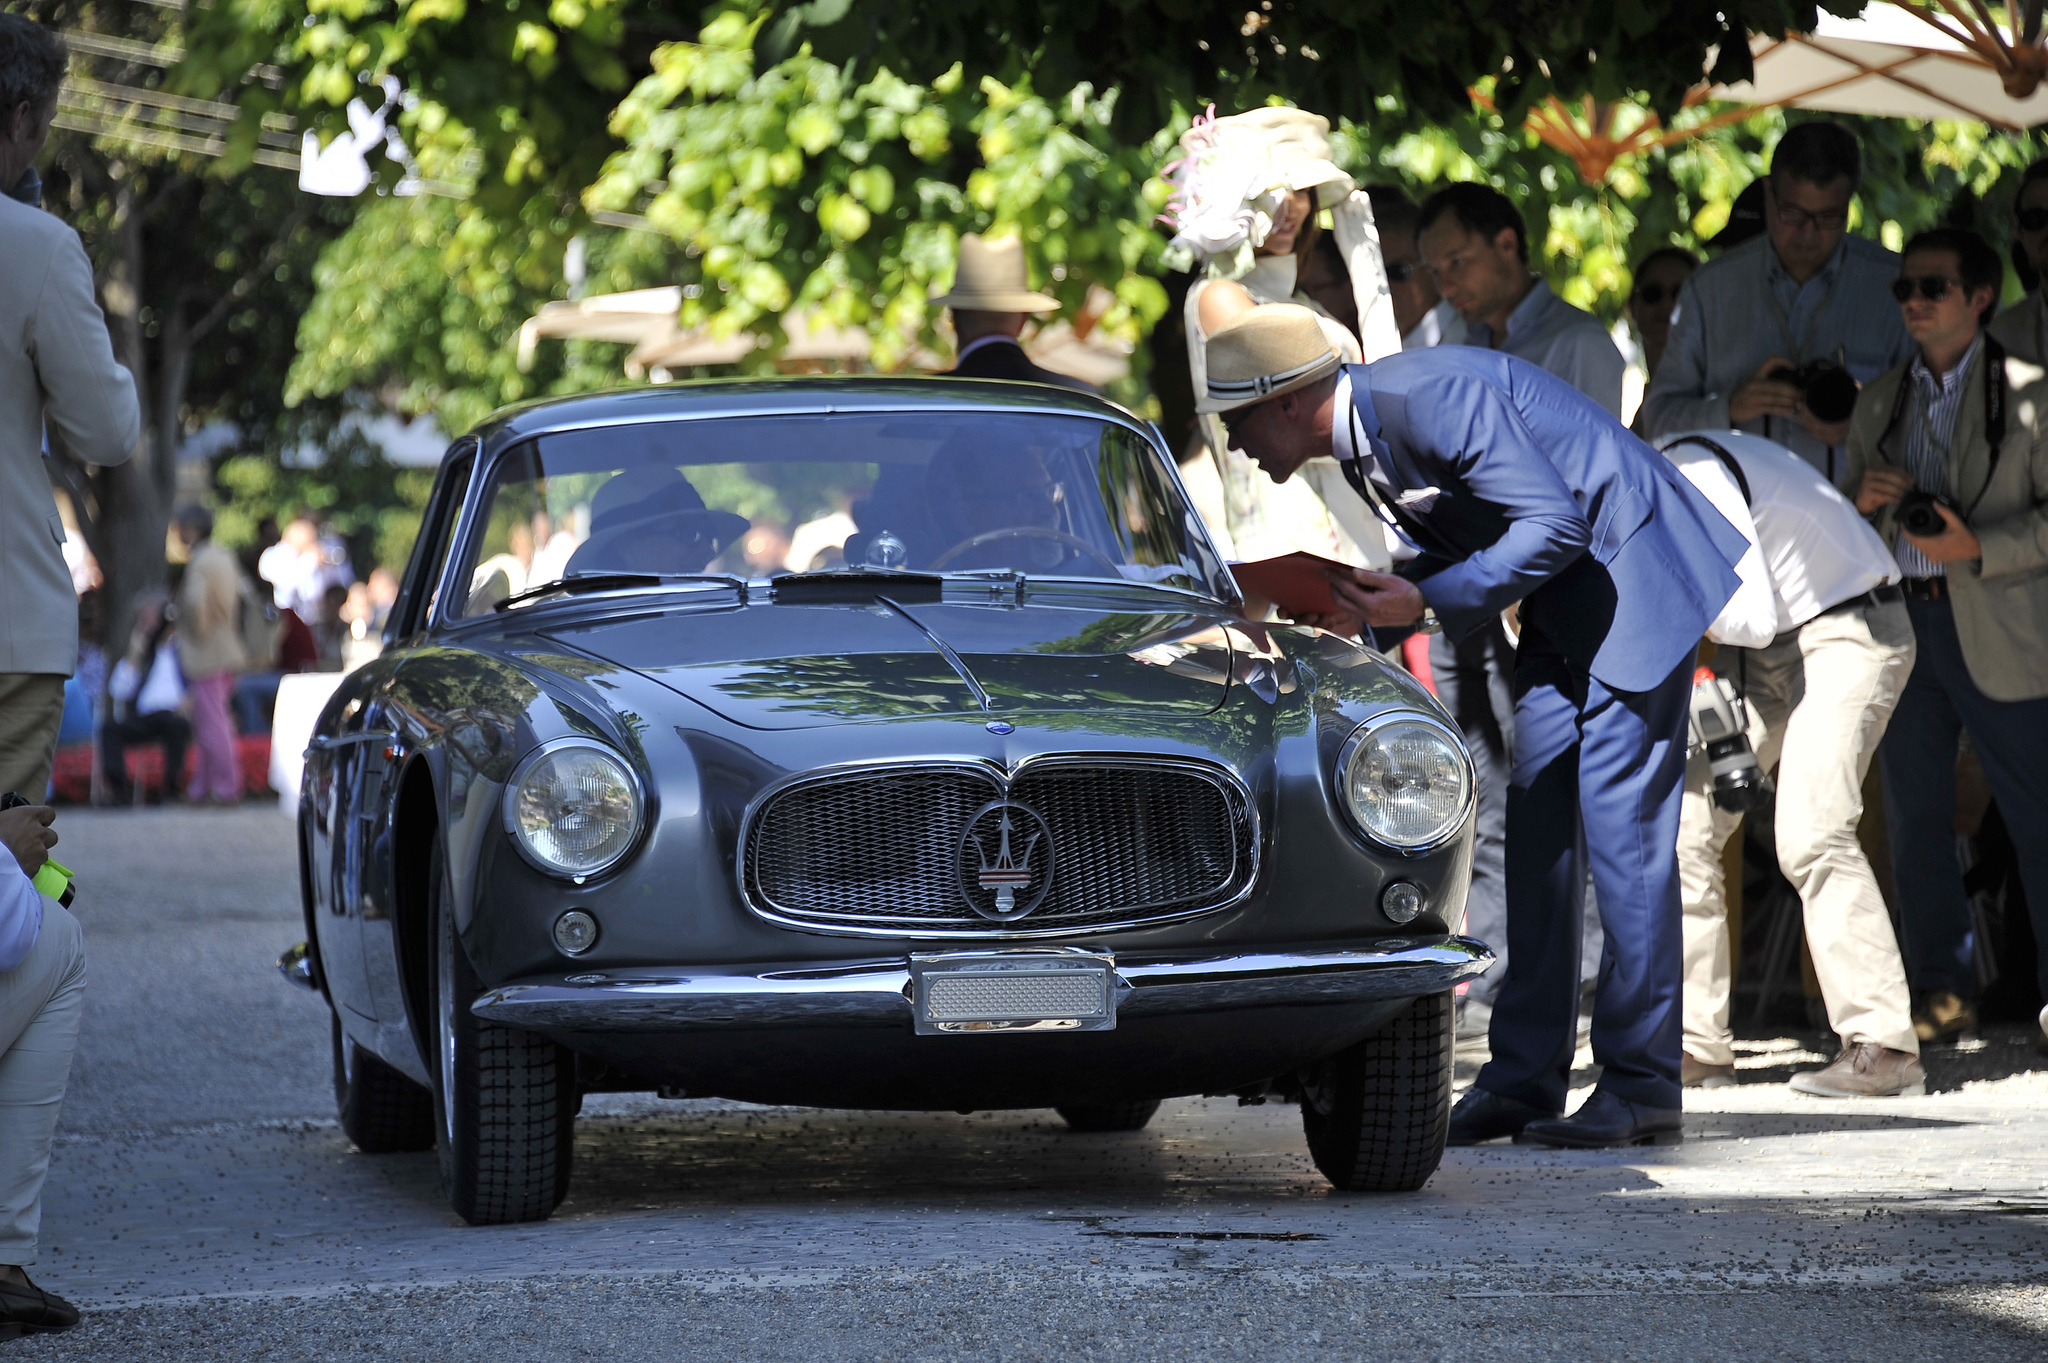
(1429, 623)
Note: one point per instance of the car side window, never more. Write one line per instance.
(430, 552)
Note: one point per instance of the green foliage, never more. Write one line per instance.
(420, 301)
(1335, 56)
(804, 184)
(375, 506)
(1586, 238)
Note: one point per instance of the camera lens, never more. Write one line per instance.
(1918, 516)
(1830, 393)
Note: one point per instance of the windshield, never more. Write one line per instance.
(936, 492)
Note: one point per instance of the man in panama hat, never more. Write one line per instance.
(1517, 487)
(991, 299)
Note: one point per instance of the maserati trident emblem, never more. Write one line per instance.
(1004, 861)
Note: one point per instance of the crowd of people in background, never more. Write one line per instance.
(1876, 435)
(203, 659)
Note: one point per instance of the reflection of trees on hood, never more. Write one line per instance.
(872, 687)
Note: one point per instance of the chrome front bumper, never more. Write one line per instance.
(657, 1000)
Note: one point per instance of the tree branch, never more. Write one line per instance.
(241, 287)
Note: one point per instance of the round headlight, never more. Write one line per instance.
(574, 808)
(1406, 781)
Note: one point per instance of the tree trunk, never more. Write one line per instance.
(134, 495)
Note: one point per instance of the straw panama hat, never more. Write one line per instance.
(1265, 351)
(991, 278)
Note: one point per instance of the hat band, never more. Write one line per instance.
(1264, 385)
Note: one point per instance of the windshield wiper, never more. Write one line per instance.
(604, 582)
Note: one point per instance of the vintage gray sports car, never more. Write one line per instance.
(979, 790)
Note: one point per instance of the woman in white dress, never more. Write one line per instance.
(1249, 190)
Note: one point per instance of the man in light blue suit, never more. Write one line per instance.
(1518, 488)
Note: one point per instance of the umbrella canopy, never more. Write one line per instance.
(1906, 60)
(1899, 59)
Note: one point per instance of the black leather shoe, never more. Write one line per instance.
(1604, 1121)
(27, 1310)
(1483, 1116)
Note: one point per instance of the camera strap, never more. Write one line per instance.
(1720, 452)
(1994, 413)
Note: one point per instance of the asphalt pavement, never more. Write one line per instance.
(202, 1203)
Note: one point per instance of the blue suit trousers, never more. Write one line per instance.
(1596, 778)
(1918, 757)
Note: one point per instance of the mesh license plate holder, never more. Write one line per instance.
(985, 993)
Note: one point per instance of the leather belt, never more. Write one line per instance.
(1925, 588)
(1877, 596)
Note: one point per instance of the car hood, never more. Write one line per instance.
(794, 666)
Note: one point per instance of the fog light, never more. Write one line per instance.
(1400, 902)
(576, 932)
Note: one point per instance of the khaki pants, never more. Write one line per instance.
(40, 1003)
(1819, 699)
(31, 712)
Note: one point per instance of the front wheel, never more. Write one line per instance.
(506, 1098)
(382, 1112)
(1108, 1116)
(1376, 1114)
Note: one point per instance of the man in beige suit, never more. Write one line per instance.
(57, 368)
(1948, 455)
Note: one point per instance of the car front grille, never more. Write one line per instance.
(887, 850)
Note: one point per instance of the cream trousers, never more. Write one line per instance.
(40, 1003)
(1819, 699)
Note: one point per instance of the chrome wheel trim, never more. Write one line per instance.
(444, 1021)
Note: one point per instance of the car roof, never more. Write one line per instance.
(786, 396)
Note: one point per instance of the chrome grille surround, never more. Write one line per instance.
(814, 846)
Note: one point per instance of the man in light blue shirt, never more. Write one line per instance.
(1474, 243)
(1804, 291)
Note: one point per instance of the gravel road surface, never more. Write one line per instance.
(203, 1205)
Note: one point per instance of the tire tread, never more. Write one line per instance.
(1391, 1103)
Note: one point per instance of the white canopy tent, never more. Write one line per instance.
(1902, 60)
(646, 320)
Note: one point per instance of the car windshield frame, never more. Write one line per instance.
(472, 515)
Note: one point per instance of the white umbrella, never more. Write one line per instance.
(1907, 59)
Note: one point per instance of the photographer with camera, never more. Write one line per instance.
(42, 994)
(1815, 647)
(1949, 457)
(1775, 334)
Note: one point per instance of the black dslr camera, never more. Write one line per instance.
(1829, 389)
(1918, 516)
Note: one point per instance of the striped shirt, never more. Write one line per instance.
(1930, 430)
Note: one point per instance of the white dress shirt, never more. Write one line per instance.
(1809, 548)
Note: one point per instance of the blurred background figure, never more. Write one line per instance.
(1652, 301)
(210, 651)
(147, 693)
(383, 591)
(992, 299)
(360, 640)
(2023, 328)
(1420, 313)
(329, 629)
(303, 564)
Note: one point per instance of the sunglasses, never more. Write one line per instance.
(2033, 219)
(1932, 287)
(1656, 294)
(1401, 271)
